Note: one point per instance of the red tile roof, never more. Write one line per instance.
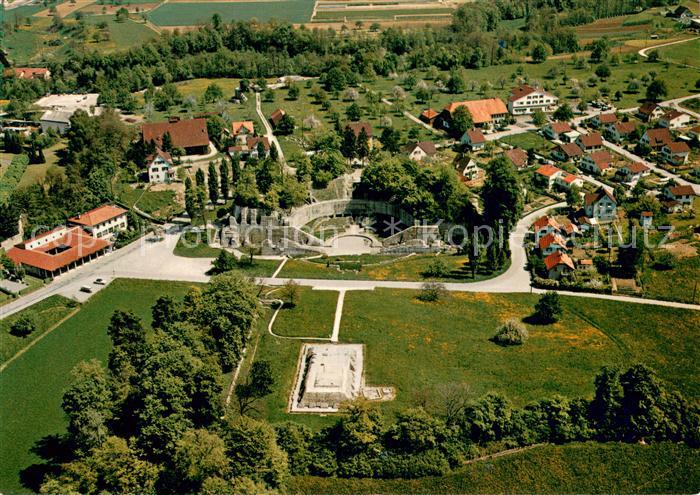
(30, 72)
(73, 245)
(603, 159)
(184, 133)
(277, 115)
(428, 147)
(429, 114)
(545, 221)
(558, 258)
(625, 128)
(648, 108)
(591, 140)
(548, 170)
(97, 216)
(482, 111)
(659, 137)
(550, 239)
(594, 197)
(518, 157)
(159, 153)
(607, 118)
(524, 90)
(244, 124)
(673, 114)
(358, 126)
(636, 168)
(560, 127)
(476, 136)
(686, 190)
(570, 149)
(678, 147)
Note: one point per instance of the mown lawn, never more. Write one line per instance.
(682, 53)
(415, 347)
(528, 141)
(195, 245)
(32, 386)
(187, 14)
(47, 313)
(312, 316)
(574, 468)
(678, 284)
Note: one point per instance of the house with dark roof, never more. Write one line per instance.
(603, 119)
(517, 157)
(527, 99)
(650, 111)
(554, 130)
(567, 152)
(600, 205)
(421, 150)
(590, 142)
(676, 153)
(597, 163)
(276, 117)
(656, 138)
(619, 131)
(674, 119)
(558, 265)
(191, 135)
(684, 194)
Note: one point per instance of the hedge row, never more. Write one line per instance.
(10, 180)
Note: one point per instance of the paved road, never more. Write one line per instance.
(270, 135)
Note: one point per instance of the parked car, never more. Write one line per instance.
(100, 281)
(86, 288)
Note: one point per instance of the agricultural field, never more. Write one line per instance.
(682, 53)
(573, 468)
(450, 340)
(192, 13)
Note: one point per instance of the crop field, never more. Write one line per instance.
(388, 14)
(133, 8)
(450, 340)
(66, 8)
(187, 14)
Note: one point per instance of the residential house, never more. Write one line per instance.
(646, 219)
(474, 139)
(684, 195)
(102, 221)
(429, 116)
(694, 134)
(558, 265)
(600, 205)
(585, 264)
(547, 175)
(421, 150)
(550, 243)
(191, 135)
(58, 120)
(566, 180)
(251, 148)
(682, 14)
(656, 138)
(491, 111)
(160, 168)
(57, 251)
(545, 225)
(676, 153)
(632, 172)
(31, 73)
(597, 163)
(619, 131)
(567, 152)
(517, 157)
(674, 120)
(590, 142)
(276, 117)
(242, 130)
(650, 111)
(527, 99)
(569, 231)
(357, 128)
(470, 169)
(603, 119)
(554, 130)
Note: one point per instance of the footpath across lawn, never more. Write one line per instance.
(32, 386)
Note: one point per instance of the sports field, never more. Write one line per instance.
(188, 14)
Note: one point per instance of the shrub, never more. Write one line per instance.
(548, 308)
(24, 325)
(437, 269)
(664, 260)
(431, 292)
(511, 332)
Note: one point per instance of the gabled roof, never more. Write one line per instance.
(188, 133)
(625, 128)
(560, 127)
(570, 149)
(98, 215)
(277, 115)
(647, 214)
(607, 118)
(648, 108)
(476, 136)
(602, 159)
(545, 221)
(358, 126)
(558, 258)
(524, 90)
(429, 114)
(518, 157)
(551, 238)
(678, 147)
(71, 246)
(672, 114)
(159, 153)
(658, 137)
(31, 72)
(569, 178)
(482, 111)
(246, 125)
(428, 147)
(592, 198)
(636, 167)
(696, 129)
(591, 140)
(686, 190)
(548, 170)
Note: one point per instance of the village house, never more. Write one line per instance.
(602, 119)
(421, 150)
(527, 99)
(675, 120)
(276, 117)
(550, 243)
(102, 221)
(682, 14)
(190, 135)
(600, 205)
(619, 131)
(649, 112)
(160, 168)
(58, 120)
(242, 130)
(566, 181)
(428, 116)
(251, 148)
(558, 265)
(597, 163)
(694, 134)
(469, 170)
(31, 73)
(684, 195)
(590, 142)
(547, 175)
(646, 219)
(632, 172)
(545, 225)
(474, 139)
(555, 130)
(357, 128)
(676, 153)
(491, 111)
(567, 152)
(517, 157)
(656, 138)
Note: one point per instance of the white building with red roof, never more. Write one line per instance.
(526, 99)
(558, 265)
(550, 243)
(547, 174)
(676, 153)
(102, 221)
(555, 130)
(545, 225)
(475, 139)
(634, 171)
(590, 142)
(684, 194)
(674, 119)
(598, 162)
(160, 167)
